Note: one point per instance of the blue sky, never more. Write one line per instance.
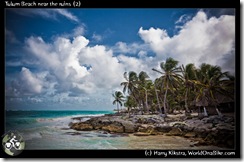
(75, 58)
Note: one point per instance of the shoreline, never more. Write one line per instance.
(212, 131)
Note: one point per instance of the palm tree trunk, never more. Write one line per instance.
(165, 97)
(129, 111)
(159, 107)
(186, 105)
(118, 107)
(137, 100)
(142, 106)
(147, 102)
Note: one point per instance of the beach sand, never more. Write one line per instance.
(161, 142)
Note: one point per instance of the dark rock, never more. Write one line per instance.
(200, 116)
(221, 137)
(151, 121)
(201, 132)
(228, 119)
(225, 127)
(154, 132)
(145, 128)
(214, 130)
(212, 119)
(211, 138)
(175, 132)
(163, 128)
(142, 129)
(98, 123)
(187, 128)
(178, 124)
(129, 127)
(194, 123)
(82, 126)
(114, 127)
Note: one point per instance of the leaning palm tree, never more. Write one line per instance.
(131, 85)
(156, 84)
(189, 75)
(143, 85)
(118, 99)
(148, 88)
(170, 77)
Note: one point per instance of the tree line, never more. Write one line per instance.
(176, 88)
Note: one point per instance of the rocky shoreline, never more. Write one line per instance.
(213, 130)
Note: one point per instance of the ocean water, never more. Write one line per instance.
(49, 130)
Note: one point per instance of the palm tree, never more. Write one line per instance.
(170, 77)
(130, 103)
(118, 99)
(212, 84)
(189, 75)
(148, 93)
(156, 82)
(143, 82)
(131, 85)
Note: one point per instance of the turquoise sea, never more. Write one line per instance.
(50, 130)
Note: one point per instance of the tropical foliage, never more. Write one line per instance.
(176, 88)
(118, 99)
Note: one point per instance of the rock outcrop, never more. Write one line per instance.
(212, 130)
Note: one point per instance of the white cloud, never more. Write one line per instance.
(122, 47)
(132, 63)
(97, 37)
(200, 40)
(47, 13)
(156, 38)
(131, 48)
(70, 68)
(142, 54)
(34, 99)
(183, 19)
(60, 59)
(26, 83)
(106, 70)
(30, 81)
(67, 14)
(80, 30)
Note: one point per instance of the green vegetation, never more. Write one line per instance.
(118, 99)
(177, 88)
